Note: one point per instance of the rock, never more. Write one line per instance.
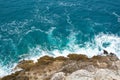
(105, 52)
(73, 67)
(112, 54)
(80, 75)
(117, 63)
(102, 64)
(100, 74)
(25, 64)
(105, 74)
(90, 68)
(113, 57)
(58, 76)
(21, 78)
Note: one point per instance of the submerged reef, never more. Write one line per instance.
(73, 67)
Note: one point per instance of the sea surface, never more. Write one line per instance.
(33, 28)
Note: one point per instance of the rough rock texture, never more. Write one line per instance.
(73, 67)
(100, 74)
(105, 74)
(80, 75)
(117, 63)
(58, 76)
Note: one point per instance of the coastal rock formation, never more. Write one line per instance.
(100, 74)
(80, 75)
(72, 67)
(58, 76)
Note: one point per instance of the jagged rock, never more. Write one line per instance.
(69, 68)
(113, 57)
(25, 64)
(64, 68)
(105, 52)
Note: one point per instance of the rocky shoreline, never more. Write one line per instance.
(73, 67)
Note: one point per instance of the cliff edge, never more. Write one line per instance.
(72, 67)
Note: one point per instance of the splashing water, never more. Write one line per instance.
(30, 29)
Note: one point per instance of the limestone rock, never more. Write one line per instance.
(69, 68)
(58, 76)
(80, 75)
(117, 63)
(105, 74)
(113, 57)
(90, 68)
(102, 64)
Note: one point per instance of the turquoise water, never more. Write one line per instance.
(33, 28)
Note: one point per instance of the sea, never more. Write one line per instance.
(30, 29)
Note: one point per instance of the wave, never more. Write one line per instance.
(116, 15)
(100, 42)
(96, 46)
(52, 24)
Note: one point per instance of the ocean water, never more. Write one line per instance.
(33, 28)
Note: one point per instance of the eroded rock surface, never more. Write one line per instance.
(73, 67)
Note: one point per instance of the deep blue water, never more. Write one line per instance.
(32, 28)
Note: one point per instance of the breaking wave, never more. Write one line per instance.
(35, 28)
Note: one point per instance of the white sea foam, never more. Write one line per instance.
(5, 70)
(50, 30)
(90, 49)
(118, 16)
(114, 41)
(33, 29)
(2, 72)
(68, 4)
